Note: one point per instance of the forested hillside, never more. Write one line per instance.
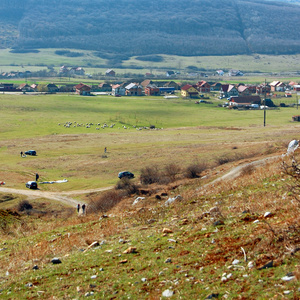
(139, 27)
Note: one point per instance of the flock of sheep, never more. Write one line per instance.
(69, 124)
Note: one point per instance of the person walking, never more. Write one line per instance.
(78, 208)
(83, 209)
(21, 153)
(37, 176)
(105, 149)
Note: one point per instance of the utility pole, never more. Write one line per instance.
(265, 104)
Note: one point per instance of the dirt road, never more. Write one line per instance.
(65, 197)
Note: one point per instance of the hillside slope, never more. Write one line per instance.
(147, 27)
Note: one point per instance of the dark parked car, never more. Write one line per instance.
(126, 174)
(30, 152)
(31, 185)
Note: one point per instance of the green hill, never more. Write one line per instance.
(127, 28)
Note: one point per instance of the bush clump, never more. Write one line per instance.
(194, 170)
(126, 187)
(150, 175)
(24, 205)
(106, 201)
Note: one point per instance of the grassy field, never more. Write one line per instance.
(185, 132)
(251, 63)
(178, 247)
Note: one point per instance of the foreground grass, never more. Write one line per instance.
(200, 253)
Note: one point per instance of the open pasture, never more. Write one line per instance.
(185, 133)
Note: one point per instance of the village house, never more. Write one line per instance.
(296, 88)
(277, 86)
(146, 82)
(243, 90)
(228, 90)
(242, 101)
(215, 86)
(110, 73)
(263, 89)
(152, 90)
(133, 90)
(189, 91)
(52, 88)
(24, 87)
(118, 90)
(233, 72)
(82, 89)
(64, 70)
(203, 86)
(68, 88)
(77, 71)
(7, 87)
(104, 87)
(170, 74)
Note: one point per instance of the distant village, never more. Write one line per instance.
(236, 94)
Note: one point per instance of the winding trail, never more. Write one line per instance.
(63, 197)
(66, 197)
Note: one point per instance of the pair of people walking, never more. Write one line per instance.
(81, 210)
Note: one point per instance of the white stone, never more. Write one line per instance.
(235, 262)
(250, 264)
(288, 278)
(267, 214)
(167, 293)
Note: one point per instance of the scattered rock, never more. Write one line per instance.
(93, 245)
(267, 265)
(211, 296)
(288, 278)
(29, 284)
(168, 260)
(56, 261)
(167, 293)
(35, 267)
(93, 276)
(235, 262)
(215, 210)
(184, 222)
(137, 200)
(157, 197)
(167, 230)
(171, 200)
(219, 223)
(124, 261)
(164, 194)
(251, 264)
(268, 214)
(130, 250)
(172, 241)
(144, 279)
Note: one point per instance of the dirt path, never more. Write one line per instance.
(237, 171)
(63, 197)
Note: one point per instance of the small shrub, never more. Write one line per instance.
(24, 205)
(127, 186)
(248, 170)
(171, 171)
(194, 170)
(150, 175)
(105, 201)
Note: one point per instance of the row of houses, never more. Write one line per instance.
(156, 88)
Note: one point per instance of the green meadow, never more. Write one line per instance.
(184, 132)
